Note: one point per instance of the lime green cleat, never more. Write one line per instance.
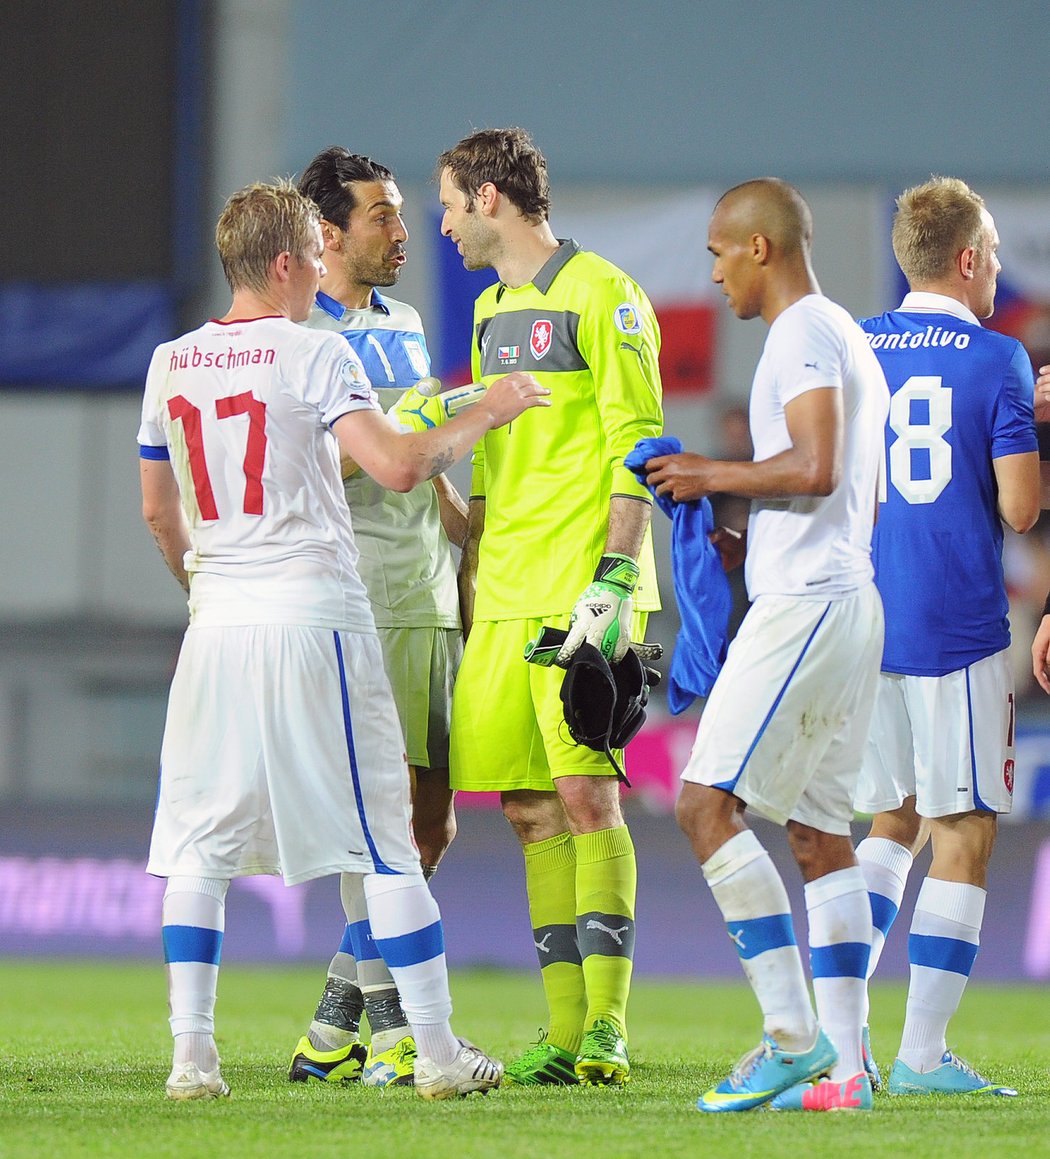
(543, 1064)
(395, 1067)
(326, 1066)
(603, 1059)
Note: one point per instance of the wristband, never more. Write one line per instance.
(1046, 605)
(619, 570)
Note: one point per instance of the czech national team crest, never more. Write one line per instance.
(540, 338)
(1008, 776)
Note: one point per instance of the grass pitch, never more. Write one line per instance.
(86, 1051)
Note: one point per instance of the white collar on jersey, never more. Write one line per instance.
(923, 302)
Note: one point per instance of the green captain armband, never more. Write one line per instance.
(422, 408)
(618, 572)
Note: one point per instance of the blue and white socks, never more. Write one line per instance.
(754, 904)
(942, 945)
(192, 922)
(886, 865)
(839, 947)
(406, 925)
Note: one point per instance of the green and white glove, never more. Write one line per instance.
(602, 615)
(426, 406)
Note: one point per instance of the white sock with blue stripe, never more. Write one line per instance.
(839, 945)
(886, 866)
(942, 946)
(406, 926)
(757, 913)
(386, 1019)
(192, 922)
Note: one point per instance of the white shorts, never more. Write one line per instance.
(947, 740)
(785, 725)
(282, 754)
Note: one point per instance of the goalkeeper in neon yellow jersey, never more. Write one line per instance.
(557, 535)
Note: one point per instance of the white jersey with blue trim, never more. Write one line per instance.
(242, 411)
(816, 546)
(961, 398)
(405, 559)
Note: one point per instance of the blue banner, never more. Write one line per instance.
(86, 335)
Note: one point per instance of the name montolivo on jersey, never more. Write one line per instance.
(190, 358)
(931, 336)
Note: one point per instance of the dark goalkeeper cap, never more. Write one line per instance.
(605, 703)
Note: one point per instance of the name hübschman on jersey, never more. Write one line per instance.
(190, 358)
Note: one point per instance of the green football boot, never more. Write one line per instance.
(603, 1059)
(543, 1064)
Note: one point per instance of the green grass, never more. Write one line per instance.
(86, 1051)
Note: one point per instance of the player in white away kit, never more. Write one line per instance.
(282, 752)
(962, 457)
(408, 571)
(784, 728)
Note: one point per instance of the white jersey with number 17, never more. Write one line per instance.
(243, 410)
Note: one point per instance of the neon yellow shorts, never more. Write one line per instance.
(508, 728)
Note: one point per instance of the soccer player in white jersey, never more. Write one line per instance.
(962, 459)
(407, 567)
(282, 751)
(783, 730)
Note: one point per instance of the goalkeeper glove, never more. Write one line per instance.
(602, 615)
(416, 411)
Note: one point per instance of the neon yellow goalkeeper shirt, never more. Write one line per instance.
(588, 332)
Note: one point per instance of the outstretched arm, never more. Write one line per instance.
(401, 461)
(812, 465)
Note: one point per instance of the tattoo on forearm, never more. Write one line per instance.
(441, 461)
(174, 567)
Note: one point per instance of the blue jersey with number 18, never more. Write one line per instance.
(961, 397)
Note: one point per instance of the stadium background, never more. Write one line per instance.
(125, 129)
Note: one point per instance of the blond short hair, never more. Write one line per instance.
(256, 225)
(934, 222)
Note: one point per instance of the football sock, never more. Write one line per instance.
(754, 904)
(550, 881)
(942, 946)
(839, 945)
(337, 1019)
(606, 884)
(386, 1019)
(192, 922)
(406, 925)
(886, 866)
